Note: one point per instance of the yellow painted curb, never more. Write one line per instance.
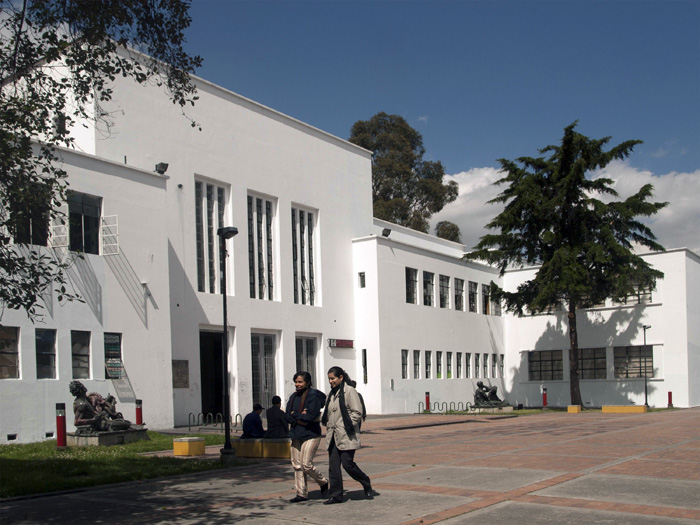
(624, 409)
(574, 409)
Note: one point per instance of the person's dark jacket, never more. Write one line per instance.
(252, 426)
(277, 426)
(304, 426)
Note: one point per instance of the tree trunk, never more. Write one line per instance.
(574, 387)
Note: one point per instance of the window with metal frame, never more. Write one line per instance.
(449, 365)
(80, 354)
(9, 352)
(545, 365)
(306, 355)
(404, 364)
(459, 365)
(411, 285)
(114, 366)
(486, 365)
(633, 361)
(29, 218)
(45, 353)
(485, 299)
(473, 295)
(438, 364)
(303, 228)
(416, 364)
(263, 351)
(459, 294)
(477, 369)
(592, 363)
(261, 248)
(444, 291)
(428, 364)
(210, 212)
(467, 365)
(84, 222)
(428, 288)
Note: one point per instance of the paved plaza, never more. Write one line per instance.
(549, 468)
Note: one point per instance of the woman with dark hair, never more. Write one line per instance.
(342, 417)
(304, 415)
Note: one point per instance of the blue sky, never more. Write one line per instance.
(480, 80)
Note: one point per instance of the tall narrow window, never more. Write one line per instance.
(306, 355)
(476, 365)
(459, 294)
(459, 365)
(114, 367)
(428, 369)
(260, 248)
(468, 365)
(210, 212)
(84, 212)
(444, 291)
(9, 352)
(485, 299)
(411, 285)
(428, 288)
(495, 306)
(263, 350)
(80, 354)
(361, 281)
(486, 365)
(438, 364)
(303, 256)
(364, 366)
(473, 293)
(501, 365)
(404, 364)
(449, 365)
(416, 364)
(493, 365)
(45, 354)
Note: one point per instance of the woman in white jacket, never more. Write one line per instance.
(342, 417)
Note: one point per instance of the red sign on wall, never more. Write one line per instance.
(340, 343)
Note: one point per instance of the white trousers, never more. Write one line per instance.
(303, 453)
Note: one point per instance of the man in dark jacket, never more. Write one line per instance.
(252, 424)
(277, 426)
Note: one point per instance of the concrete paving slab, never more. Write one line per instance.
(629, 489)
(487, 479)
(511, 512)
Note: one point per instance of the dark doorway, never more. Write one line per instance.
(211, 368)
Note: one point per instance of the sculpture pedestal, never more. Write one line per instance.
(493, 410)
(106, 439)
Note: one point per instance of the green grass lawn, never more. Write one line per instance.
(39, 467)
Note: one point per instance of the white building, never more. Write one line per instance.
(313, 281)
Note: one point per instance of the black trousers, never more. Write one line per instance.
(346, 458)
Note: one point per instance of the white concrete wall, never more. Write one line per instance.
(609, 327)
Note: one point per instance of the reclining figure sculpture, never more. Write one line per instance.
(94, 413)
(485, 396)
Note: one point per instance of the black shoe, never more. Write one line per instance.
(332, 501)
(369, 493)
(324, 489)
(297, 499)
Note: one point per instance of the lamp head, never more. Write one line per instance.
(227, 232)
(386, 232)
(161, 168)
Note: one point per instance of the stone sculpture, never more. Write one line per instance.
(486, 396)
(93, 413)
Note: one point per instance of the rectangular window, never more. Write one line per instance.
(9, 352)
(634, 361)
(411, 285)
(263, 351)
(495, 306)
(364, 366)
(80, 354)
(114, 366)
(459, 365)
(485, 298)
(45, 354)
(210, 211)
(444, 291)
(459, 294)
(416, 364)
(29, 216)
(546, 365)
(306, 355)
(591, 363)
(493, 365)
(84, 213)
(473, 293)
(477, 369)
(361, 279)
(260, 248)
(468, 365)
(640, 295)
(428, 359)
(501, 365)
(486, 365)
(438, 364)
(303, 229)
(428, 288)
(449, 365)
(404, 364)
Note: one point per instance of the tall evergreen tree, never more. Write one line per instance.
(57, 61)
(406, 189)
(582, 245)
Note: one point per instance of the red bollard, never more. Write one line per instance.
(139, 412)
(670, 400)
(60, 425)
(427, 401)
(544, 398)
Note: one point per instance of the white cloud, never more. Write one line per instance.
(676, 226)
(423, 119)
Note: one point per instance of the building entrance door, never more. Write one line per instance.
(211, 366)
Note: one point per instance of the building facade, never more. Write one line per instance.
(313, 281)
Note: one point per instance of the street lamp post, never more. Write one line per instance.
(225, 234)
(646, 375)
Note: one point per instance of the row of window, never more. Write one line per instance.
(46, 354)
(465, 365)
(628, 361)
(210, 208)
(451, 293)
(639, 295)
